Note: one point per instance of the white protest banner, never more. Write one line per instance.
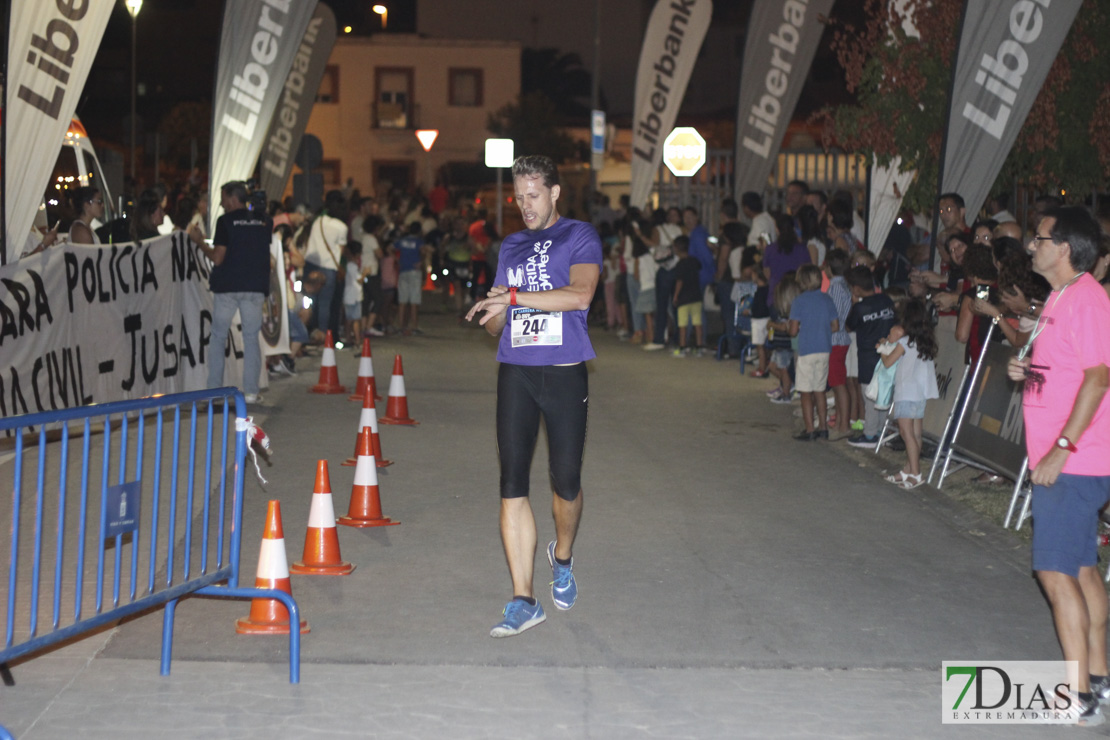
(90, 324)
(258, 44)
(782, 38)
(51, 47)
(1006, 50)
(672, 40)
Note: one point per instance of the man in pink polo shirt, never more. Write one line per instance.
(1067, 436)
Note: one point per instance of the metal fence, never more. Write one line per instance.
(159, 518)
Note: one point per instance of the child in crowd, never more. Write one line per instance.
(352, 292)
(836, 265)
(782, 352)
(687, 295)
(813, 319)
(411, 252)
(915, 382)
(610, 272)
(751, 272)
(644, 268)
(388, 268)
(871, 317)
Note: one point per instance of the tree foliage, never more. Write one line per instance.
(561, 77)
(180, 126)
(902, 85)
(534, 124)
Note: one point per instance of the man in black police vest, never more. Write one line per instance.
(240, 281)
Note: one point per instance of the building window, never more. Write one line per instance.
(329, 168)
(393, 97)
(329, 85)
(464, 87)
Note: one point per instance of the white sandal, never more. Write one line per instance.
(905, 480)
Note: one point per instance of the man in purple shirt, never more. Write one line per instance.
(546, 277)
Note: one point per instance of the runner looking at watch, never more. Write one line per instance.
(546, 277)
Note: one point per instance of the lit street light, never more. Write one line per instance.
(383, 12)
(133, 7)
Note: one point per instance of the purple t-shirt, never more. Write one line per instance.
(541, 260)
(779, 264)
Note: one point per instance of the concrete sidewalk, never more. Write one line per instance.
(734, 582)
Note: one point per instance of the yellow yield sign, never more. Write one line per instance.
(684, 151)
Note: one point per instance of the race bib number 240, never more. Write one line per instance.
(531, 327)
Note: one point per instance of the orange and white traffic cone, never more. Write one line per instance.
(368, 418)
(329, 375)
(269, 616)
(365, 509)
(397, 407)
(321, 542)
(365, 374)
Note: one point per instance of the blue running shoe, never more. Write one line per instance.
(564, 591)
(519, 616)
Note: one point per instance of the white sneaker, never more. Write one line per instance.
(252, 398)
(652, 346)
(375, 332)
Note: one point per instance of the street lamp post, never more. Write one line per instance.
(133, 7)
(383, 12)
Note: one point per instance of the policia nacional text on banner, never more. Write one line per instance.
(259, 42)
(90, 324)
(299, 92)
(782, 39)
(51, 47)
(1006, 50)
(672, 40)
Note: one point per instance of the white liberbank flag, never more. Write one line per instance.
(672, 40)
(782, 38)
(51, 47)
(1006, 50)
(258, 43)
(290, 120)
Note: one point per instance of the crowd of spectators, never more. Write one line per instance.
(363, 265)
(761, 271)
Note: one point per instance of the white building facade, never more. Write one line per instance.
(379, 90)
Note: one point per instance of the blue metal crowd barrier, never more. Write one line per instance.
(111, 536)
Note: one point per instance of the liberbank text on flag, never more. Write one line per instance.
(782, 39)
(672, 40)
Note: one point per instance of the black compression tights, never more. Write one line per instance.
(560, 395)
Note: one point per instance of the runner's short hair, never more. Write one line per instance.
(532, 165)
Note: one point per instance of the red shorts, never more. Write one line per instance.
(838, 368)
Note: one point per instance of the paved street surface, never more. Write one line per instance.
(733, 582)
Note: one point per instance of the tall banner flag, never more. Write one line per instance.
(672, 40)
(51, 47)
(1006, 50)
(258, 44)
(782, 39)
(288, 125)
